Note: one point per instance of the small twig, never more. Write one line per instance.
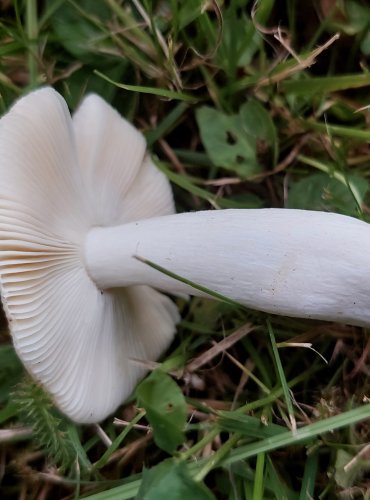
(103, 436)
(160, 39)
(306, 345)
(260, 27)
(148, 22)
(45, 492)
(288, 160)
(362, 455)
(222, 181)
(168, 151)
(50, 477)
(249, 365)
(126, 453)
(219, 347)
(303, 64)
(8, 435)
(124, 423)
(284, 42)
(360, 364)
(244, 369)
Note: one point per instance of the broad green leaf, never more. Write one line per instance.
(165, 408)
(231, 140)
(321, 192)
(256, 121)
(80, 35)
(225, 141)
(358, 23)
(172, 480)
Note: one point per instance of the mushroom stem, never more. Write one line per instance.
(290, 262)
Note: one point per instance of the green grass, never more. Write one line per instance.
(242, 108)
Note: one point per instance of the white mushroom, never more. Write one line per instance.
(79, 200)
(58, 179)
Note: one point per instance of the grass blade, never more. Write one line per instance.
(281, 374)
(168, 94)
(304, 434)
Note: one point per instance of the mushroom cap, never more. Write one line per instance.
(59, 178)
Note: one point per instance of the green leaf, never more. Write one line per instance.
(172, 480)
(240, 41)
(81, 35)
(226, 144)
(165, 409)
(322, 192)
(258, 123)
(358, 15)
(231, 141)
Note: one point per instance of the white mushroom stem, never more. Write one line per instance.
(290, 262)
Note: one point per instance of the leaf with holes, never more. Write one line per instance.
(232, 141)
(257, 122)
(165, 408)
(226, 143)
